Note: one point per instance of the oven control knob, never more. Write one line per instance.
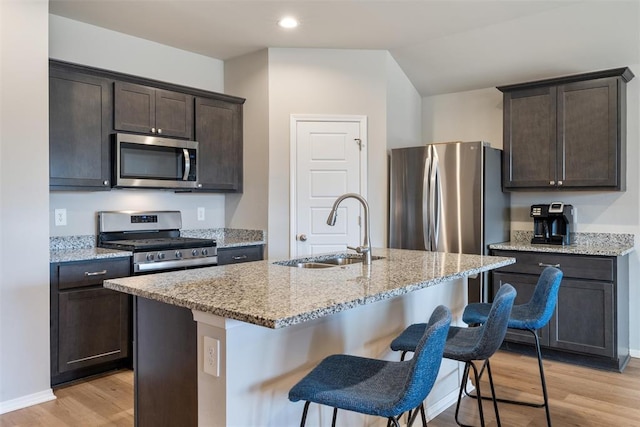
(178, 254)
(194, 252)
(149, 257)
(160, 255)
(205, 252)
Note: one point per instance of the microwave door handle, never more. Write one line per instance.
(187, 164)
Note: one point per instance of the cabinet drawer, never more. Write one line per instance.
(88, 273)
(576, 266)
(239, 254)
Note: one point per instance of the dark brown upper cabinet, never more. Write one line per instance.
(566, 133)
(80, 107)
(219, 136)
(87, 105)
(144, 109)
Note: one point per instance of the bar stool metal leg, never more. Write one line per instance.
(543, 383)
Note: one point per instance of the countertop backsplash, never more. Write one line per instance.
(61, 243)
(595, 239)
(223, 236)
(227, 236)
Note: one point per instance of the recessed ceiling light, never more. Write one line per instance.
(288, 22)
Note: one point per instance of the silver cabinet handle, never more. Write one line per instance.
(159, 131)
(95, 273)
(542, 264)
(239, 257)
(302, 237)
(105, 182)
(153, 130)
(552, 183)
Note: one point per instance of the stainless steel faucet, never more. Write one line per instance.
(331, 220)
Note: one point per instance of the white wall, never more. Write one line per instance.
(248, 76)
(325, 81)
(80, 43)
(465, 116)
(477, 115)
(24, 231)
(404, 109)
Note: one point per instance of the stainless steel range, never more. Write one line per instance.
(154, 238)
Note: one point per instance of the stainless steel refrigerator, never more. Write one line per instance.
(447, 197)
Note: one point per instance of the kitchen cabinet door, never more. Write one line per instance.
(584, 318)
(530, 138)
(588, 133)
(218, 130)
(80, 119)
(144, 109)
(93, 327)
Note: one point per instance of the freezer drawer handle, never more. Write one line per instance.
(542, 264)
(95, 273)
(239, 257)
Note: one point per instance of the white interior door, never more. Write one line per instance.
(330, 160)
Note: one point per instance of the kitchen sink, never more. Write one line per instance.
(309, 265)
(325, 261)
(345, 260)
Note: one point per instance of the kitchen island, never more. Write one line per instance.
(267, 324)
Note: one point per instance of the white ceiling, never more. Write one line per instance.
(442, 45)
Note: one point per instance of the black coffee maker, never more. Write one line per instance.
(552, 224)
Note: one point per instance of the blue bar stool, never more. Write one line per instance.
(531, 316)
(470, 344)
(377, 387)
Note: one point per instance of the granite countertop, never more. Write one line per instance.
(604, 244)
(79, 248)
(276, 296)
(82, 248)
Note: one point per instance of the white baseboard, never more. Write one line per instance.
(441, 405)
(24, 401)
(634, 353)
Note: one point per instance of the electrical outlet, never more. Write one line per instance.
(200, 214)
(60, 217)
(211, 356)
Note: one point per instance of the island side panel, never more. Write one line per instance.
(165, 371)
(259, 365)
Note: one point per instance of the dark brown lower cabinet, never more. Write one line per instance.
(590, 324)
(90, 325)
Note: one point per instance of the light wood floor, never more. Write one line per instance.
(578, 397)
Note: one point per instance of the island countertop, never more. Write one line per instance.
(276, 296)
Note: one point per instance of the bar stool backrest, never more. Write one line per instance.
(426, 360)
(538, 311)
(494, 329)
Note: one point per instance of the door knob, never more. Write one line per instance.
(302, 237)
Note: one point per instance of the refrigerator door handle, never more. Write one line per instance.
(436, 197)
(426, 213)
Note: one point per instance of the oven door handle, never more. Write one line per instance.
(187, 164)
(166, 265)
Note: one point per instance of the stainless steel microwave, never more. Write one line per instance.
(155, 162)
